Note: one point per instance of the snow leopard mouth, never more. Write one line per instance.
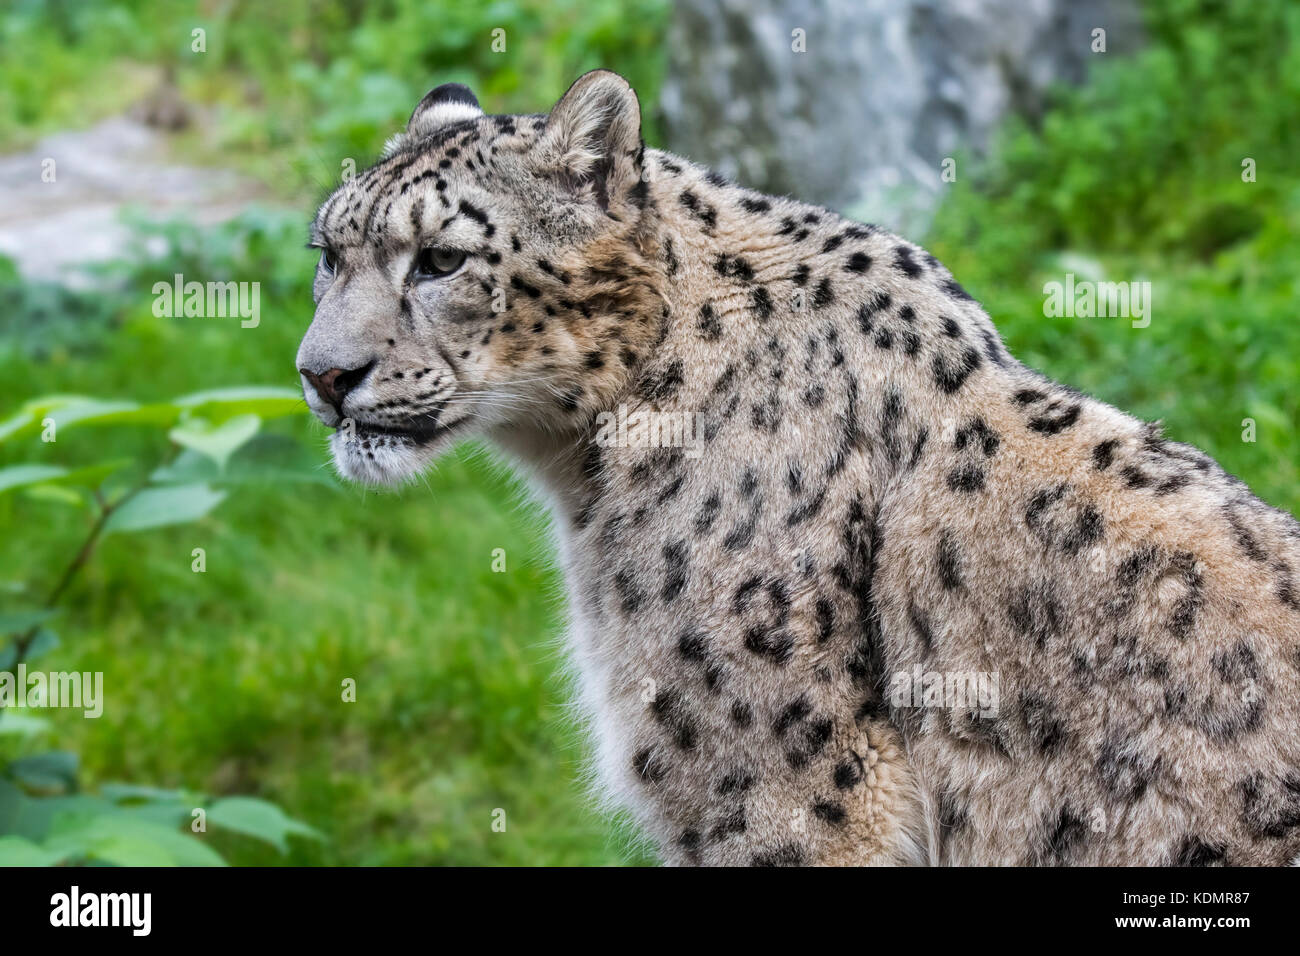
(419, 432)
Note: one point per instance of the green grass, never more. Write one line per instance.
(230, 681)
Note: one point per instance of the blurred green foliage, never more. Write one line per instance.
(45, 816)
(294, 87)
(228, 682)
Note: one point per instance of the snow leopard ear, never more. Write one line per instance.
(592, 140)
(442, 106)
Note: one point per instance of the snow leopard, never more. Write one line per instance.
(885, 595)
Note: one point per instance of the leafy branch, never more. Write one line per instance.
(44, 820)
(106, 509)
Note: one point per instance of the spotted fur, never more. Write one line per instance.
(882, 488)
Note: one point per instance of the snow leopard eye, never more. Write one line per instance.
(434, 263)
(328, 261)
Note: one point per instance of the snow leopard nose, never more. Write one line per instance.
(334, 384)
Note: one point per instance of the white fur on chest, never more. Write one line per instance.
(607, 696)
(604, 695)
(595, 704)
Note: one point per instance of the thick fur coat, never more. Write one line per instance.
(903, 599)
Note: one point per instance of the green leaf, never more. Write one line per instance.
(18, 476)
(12, 805)
(217, 442)
(92, 475)
(29, 415)
(267, 459)
(189, 467)
(172, 814)
(30, 817)
(259, 819)
(123, 840)
(56, 494)
(122, 792)
(155, 804)
(218, 405)
(26, 476)
(16, 724)
(161, 506)
(43, 641)
(55, 770)
(17, 622)
(15, 851)
(67, 410)
(113, 412)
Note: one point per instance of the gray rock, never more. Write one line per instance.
(50, 229)
(886, 89)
